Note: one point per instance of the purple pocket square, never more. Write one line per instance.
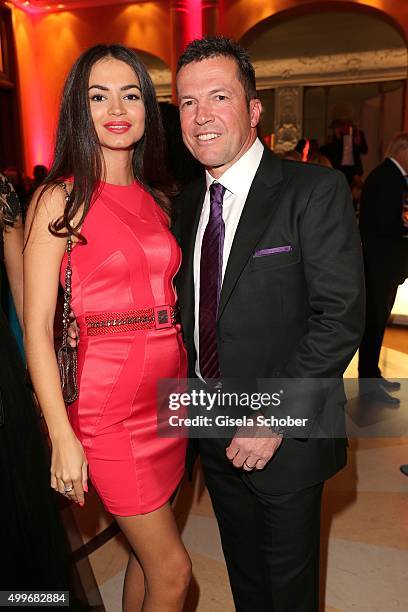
(282, 249)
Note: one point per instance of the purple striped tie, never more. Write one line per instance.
(210, 284)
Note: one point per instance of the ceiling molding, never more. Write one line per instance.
(340, 68)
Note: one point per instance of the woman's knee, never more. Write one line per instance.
(184, 571)
(174, 574)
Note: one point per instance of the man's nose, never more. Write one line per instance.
(203, 114)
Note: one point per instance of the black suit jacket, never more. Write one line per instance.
(295, 314)
(334, 152)
(381, 224)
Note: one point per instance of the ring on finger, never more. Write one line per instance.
(68, 488)
(250, 467)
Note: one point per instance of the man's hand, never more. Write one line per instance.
(73, 331)
(252, 447)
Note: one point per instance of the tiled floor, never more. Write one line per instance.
(364, 519)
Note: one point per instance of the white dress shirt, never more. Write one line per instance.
(348, 156)
(237, 181)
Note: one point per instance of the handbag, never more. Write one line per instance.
(67, 356)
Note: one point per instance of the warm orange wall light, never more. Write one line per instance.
(47, 45)
(44, 45)
(139, 26)
(36, 148)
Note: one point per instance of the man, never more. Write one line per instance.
(345, 150)
(281, 239)
(385, 248)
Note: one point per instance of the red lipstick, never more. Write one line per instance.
(117, 127)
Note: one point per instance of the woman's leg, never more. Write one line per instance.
(134, 585)
(157, 545)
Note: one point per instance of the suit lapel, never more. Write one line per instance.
(191, 211)
(260, 206)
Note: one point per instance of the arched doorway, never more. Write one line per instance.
(315, 68)
(160, 74)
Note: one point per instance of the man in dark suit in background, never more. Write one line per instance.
(345, 149)
(270, 285)
(385, 249)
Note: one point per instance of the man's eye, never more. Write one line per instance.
(97, 98)
(221, 97)
(187, 103)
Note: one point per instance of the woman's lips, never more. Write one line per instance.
(117, 127)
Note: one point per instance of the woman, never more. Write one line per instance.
(32, 540)
(109, 151)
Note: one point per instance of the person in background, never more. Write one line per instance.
(39, 174)
(12, 236)
(385, 249)
(345, 149)
(302, 147)
(33, 550)
(293, 154)
(309, 151)
(356, 189)
(319, 159)
(16, 178)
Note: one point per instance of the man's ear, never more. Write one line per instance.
(255, 111)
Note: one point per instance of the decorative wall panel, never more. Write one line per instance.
(288, 117)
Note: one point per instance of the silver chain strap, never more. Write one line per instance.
(68, 285)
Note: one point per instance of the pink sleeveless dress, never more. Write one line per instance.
(128, 264)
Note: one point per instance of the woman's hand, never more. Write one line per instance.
(69, 468)
(73, 331)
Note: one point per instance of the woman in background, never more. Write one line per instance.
(32, 540)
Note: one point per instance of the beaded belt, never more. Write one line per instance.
(159, 317)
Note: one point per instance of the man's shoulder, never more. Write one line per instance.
(187, 199)
(306, 173)
(377, 176)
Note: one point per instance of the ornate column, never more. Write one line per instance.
(186, 24)
(210, 13)
(288, 117)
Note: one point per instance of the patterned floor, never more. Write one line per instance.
(364, 520)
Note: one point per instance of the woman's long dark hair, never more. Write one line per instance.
(77, 149)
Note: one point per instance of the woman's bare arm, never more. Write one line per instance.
(42, 262)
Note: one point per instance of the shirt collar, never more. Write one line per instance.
(400, 168)
(238, 178)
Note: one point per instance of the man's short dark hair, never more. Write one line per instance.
(220, 46)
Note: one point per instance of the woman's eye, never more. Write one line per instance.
(97, 98)
(132, 97)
